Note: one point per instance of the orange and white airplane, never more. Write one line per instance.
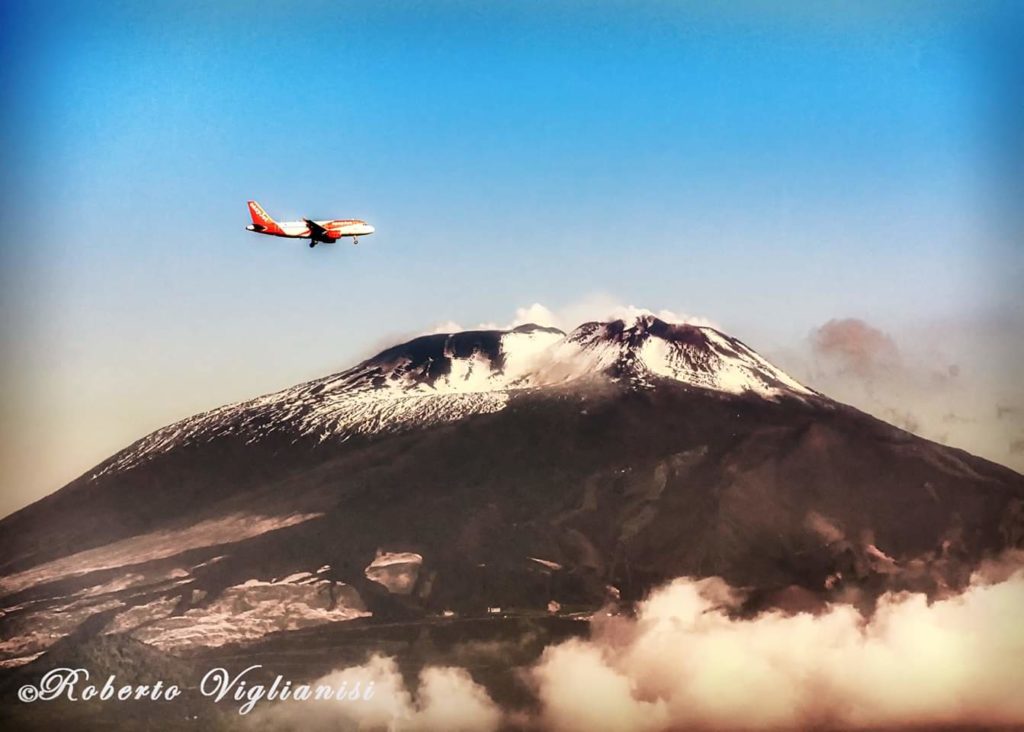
(316, 231)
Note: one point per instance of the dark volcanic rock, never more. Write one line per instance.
(512, 469)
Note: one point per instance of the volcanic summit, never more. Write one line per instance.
(512, 469)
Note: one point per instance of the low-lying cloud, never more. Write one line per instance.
(686, 661)
(446, 699)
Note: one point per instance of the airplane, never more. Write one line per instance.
(317, 232)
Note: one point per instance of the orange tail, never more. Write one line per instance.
(261, 221)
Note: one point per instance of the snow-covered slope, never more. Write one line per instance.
(531, 357)
(448, 376)
(647, 348)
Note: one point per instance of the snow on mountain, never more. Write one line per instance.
(241, 613)
(397, 571)
(648, 347)
(209, 532)
(445, 377)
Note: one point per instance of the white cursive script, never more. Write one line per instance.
(64, 683)
(219, 684)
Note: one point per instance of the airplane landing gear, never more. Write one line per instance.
(312, 243)
(355, 240)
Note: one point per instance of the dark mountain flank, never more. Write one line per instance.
(493, 472)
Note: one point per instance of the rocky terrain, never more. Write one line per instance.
(514, 473)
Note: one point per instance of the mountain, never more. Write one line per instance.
(492, 472)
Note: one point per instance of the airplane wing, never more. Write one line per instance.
(317, 230)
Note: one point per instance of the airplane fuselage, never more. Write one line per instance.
(316, 231)
(337, 228)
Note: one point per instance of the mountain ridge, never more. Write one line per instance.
(517, 467)
(488, 363)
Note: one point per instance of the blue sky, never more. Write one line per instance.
(766, 167)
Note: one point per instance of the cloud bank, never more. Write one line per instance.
(686, 661)
(446, 699)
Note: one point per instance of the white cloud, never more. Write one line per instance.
(448, 326)
(685, 663)
(596, 307)
(446, 699)
(536, 314)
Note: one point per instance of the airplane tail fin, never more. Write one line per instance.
(261, 221)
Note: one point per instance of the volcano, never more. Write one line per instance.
(498, 472)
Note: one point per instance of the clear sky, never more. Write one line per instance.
(766, 167)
